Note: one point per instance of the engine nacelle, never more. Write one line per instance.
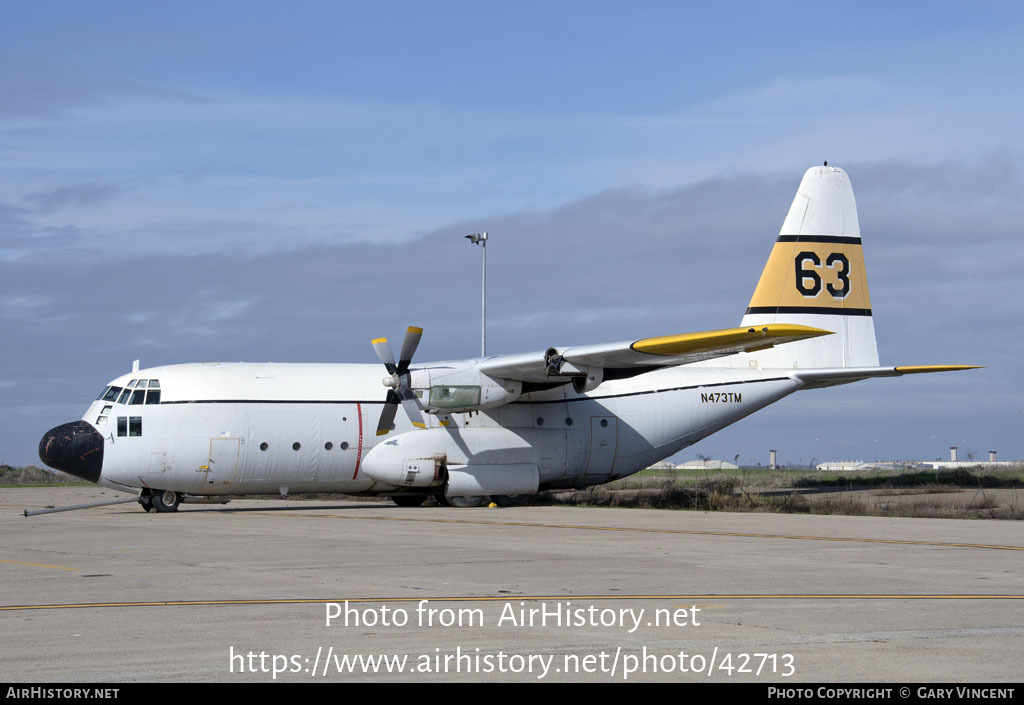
(589, 380)
(473, 461)
(458, 389)
(476, 480)
(584, 379)
(409, 472)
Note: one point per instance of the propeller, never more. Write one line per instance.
(398, 381)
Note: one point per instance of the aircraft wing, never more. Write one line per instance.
(633, 357)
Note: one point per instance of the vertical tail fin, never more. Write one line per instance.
(815, 277)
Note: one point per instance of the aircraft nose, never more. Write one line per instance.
(75, 448)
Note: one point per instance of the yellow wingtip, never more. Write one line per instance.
(920, 369)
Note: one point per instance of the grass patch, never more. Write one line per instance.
(930, 488)
(957, 477)
(32, 476)
(959, 493)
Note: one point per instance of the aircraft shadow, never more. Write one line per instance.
(290, 508)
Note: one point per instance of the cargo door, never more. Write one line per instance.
(223, 460)
(604, 432)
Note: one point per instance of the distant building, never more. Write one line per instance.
(662, 465)
(950, 465)
(892, 465)
(844, 466)
(707, 465)
(853, 465)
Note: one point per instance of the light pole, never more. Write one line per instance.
(481, 239)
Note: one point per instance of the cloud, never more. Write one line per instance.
(168, 170)
(21, 237)
(682, 257)
(207, 313)
(14, 307)
(77, 195)
(33, 89)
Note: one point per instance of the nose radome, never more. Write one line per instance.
(75, 448)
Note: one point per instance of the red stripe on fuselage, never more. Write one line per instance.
(359, 448)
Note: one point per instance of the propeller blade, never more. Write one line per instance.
(383, 350)
(409, 345)
(412, 409)
(387, 414)
(398, 381)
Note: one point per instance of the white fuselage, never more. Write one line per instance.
(241, 428)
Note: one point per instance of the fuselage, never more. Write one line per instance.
(241, 428)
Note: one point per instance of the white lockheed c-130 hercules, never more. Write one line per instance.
(502, 426)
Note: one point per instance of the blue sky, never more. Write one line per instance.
(286, 181)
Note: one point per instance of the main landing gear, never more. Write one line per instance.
(160, 500)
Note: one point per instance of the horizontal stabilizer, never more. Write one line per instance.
(829, 376)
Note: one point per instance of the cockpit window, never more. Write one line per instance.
(138, 391)
(110, 393)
